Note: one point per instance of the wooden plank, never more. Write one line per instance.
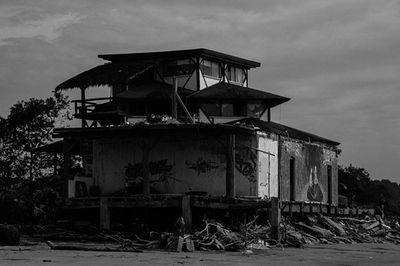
(187, 213)
(230, 166)
(104, 214)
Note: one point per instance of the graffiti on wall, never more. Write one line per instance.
(134, 172)
(314, 191)
(246, 163)
(202, 166)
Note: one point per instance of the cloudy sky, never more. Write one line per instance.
(338, 60)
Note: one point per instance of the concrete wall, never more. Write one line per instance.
(267, 166)
(178, 164)
(311, 171)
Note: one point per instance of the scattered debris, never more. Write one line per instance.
(250, 237)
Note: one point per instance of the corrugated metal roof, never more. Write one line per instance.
(283, 130)
(107, 74)
(177, 54)
(233, 92)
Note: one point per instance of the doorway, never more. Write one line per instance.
(329, 174)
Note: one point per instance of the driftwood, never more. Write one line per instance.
(82, 247)
(331, 225)
(313, 230)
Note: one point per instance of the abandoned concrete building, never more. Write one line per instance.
(184, 129)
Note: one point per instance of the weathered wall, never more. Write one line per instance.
(178, 164)
(267, 166)
(311, 171)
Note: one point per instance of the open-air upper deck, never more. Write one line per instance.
(169, 83)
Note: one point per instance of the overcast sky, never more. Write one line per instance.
(339, 61)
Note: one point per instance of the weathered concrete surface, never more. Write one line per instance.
(177, 164)
(311, 171)
(340, 254)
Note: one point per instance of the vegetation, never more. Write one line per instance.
(356, 184)
(26, 176)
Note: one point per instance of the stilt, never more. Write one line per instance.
(104, 214)
(230, 166)
(275, 219)
(187, 213)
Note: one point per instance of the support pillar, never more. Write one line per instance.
(230, 166)
(187, 213)
(83, 108)
(104, 214)
(146, 170)
(275, 219)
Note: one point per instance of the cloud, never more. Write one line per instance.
(337, 60)
(46, 27)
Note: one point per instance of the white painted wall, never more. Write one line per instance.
(267, 166)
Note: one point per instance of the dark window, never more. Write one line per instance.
(236, 74)
(227, 109)
(240, 109)
(211, 109)
(329, 174)
(292, 168)
(210, 68)
(255, 109)
(179, 67)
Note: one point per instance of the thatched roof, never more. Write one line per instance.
(107, 74)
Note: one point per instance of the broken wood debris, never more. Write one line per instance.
(309, 230)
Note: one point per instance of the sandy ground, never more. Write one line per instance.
(338, 254)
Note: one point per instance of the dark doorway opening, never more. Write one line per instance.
(329, 174)
(292, 179)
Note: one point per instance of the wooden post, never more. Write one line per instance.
(275, 218)
(230, 166)
(269, 114)
(67, 146)
(173, 98)
(187, 213)
(302, 209)
(146, 170)
(104, 214)
(83, 107)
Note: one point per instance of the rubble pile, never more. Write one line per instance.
(215, 237)
(324, 230)
(308, 230)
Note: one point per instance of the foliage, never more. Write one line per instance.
(28, 126)
(355, 183)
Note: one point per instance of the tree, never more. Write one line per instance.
(29, 125)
